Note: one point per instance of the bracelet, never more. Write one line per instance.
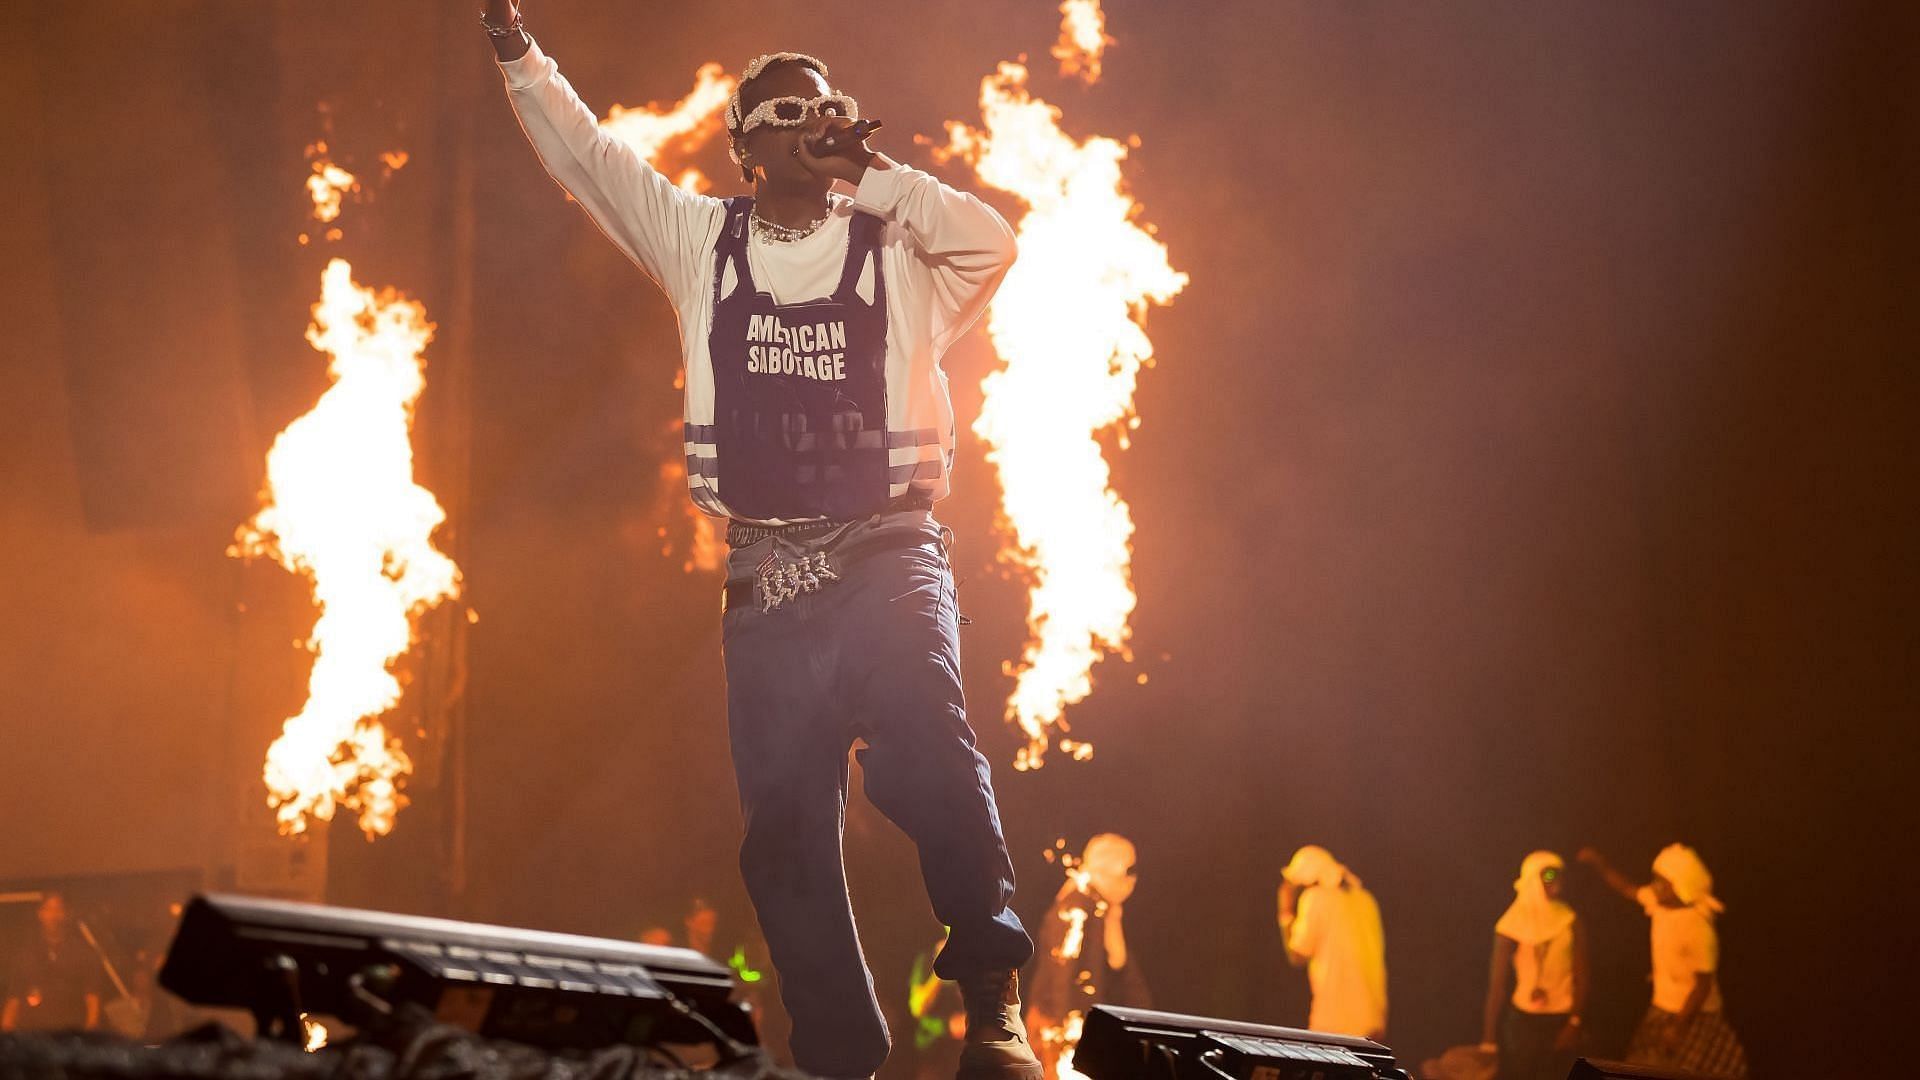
(516, 26)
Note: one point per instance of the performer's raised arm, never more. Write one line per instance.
(965, 244)
(656, 224)
(815, 418)
(1615, 880)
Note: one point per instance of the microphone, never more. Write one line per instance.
(840, 140)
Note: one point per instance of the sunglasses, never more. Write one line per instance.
(788, 112)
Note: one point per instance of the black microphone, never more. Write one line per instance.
(835, 141)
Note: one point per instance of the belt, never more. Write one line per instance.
(740, 592)
(740, 534)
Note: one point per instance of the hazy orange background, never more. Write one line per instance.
(1531, 462)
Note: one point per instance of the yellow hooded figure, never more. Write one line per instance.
(1680, 865)
(1081, 953)
(1537, 980)
(1534, 917)
(1685, 1027)
(1334, 931)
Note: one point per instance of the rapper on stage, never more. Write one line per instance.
(817, 421)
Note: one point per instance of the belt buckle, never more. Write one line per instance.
(780, 577)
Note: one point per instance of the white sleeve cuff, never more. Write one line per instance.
(529, 69)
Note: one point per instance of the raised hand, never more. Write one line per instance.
(501, 14)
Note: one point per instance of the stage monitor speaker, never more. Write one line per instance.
(558, 991)
(1138, 1044)
(1590, 1069)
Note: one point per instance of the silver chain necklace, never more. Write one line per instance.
(785, 234)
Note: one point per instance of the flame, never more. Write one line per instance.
(654, 129)
(708, 549)
(656, 132)
(700, 538)
(341, 507)
(316, 1033)
(1067, 322)
(1061, 1039)
(1083, 39)
(1070, 944)
(1068, 1035)
(1080, 880)
(328, 185)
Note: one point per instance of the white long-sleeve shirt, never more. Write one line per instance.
(943, 253)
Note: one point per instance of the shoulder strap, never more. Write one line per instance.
(863, 241)
(732, 245)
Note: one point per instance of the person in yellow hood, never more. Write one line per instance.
(1540, 951)
(1685, 1027)
(1331, 925)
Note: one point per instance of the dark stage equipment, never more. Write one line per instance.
(413, 1048)
(1590, 1069)
(281, 959)
(1138, 1044)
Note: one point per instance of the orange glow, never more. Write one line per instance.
(1068, 325)
(1083, 39)
(1070, 945)
(657, 133)
(655, 130)
(1068, 1035)
(1061, 1039)
(701, 541)
(708, 551)
(341, 507)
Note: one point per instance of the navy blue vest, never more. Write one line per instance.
(800, 390)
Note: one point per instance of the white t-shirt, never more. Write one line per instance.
(1685, 945)
(1339, 930)
(943, 253)
(1548, 968)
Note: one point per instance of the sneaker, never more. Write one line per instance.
(996, 1046)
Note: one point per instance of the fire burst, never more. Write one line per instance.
(1067, 324)
(1083, 39)
(328, 184)
(316, 1034)
(1070, 1031)
(654, 129)
(1063, 1038)
(657, 132)
(341, 507)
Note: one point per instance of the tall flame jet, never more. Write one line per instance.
(341, 507)
(1068, 325)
